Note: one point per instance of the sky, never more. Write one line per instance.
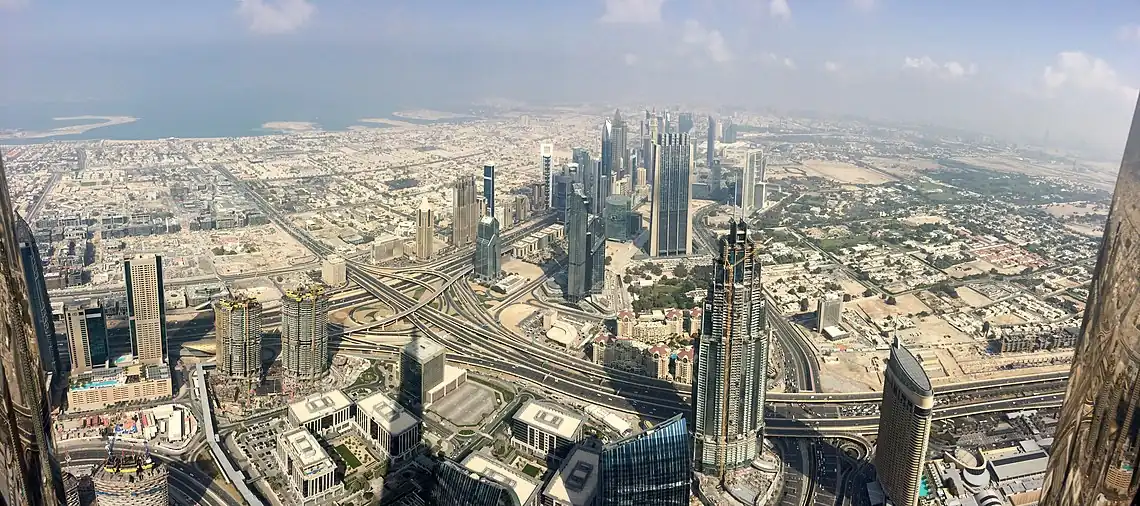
(1062, 70)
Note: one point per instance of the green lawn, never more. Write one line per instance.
(532, 471)
(350, 460)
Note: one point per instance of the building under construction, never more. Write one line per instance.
(131, 480)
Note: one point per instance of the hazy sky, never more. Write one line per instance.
(1010, 67)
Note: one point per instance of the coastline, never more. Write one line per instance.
(106, 121)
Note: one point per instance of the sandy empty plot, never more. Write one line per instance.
(934, 330)
(963, 270)
(844, 172)
(922, 220)
(514, 314)
(971, 297)
(902, 168)
(1006, 319)
(1072, 208)
(525, 269)
(905, 304)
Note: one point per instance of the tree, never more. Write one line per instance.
(609, 259)
(868, 292)
(891, 300)
(804, 304)
(680, 271)
(627, 279)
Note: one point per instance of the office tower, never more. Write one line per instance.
(727, 131)
(619, 139)
(305, 332)
(488, 250)
(586, 173)
(685, 123)
(829, 311)
(547, 152)
(603, 188)
(671, 226)
(596, 238)
(563, 188)
(309, 471)
(237, 329)
(615, 159)
(334, 271)
(425, 230)
(648, 468)
(38, 298)
(905, 414)
(578, 246)
(422, 364)
(86, 330)
(146, 306)
(456, 485)
(505, 213)
(489, 188)
(481, 205)
(521, 208)
(621, 222)
(754, 169)
(70, 490)
(464, 211)
(732, 361)
(32, 475)
(1095, 450)
(710, 144)
(132, 480)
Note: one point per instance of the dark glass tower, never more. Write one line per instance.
(732, 361)
(648, 468)
(670, 223)
(488, 249)
(489, 188)
(455, 485)
(38, 298)
(31, 476)
(1096, 448)
(596, 238)
(560, 196)
(578, 245)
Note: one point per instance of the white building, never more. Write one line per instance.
(576, 483)
(334, 272)
(394, 430)
(525, 488)
(321, 412)
(308, 469)
(546, 429)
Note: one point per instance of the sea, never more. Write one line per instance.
(231, 114)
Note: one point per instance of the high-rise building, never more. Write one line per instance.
(753, 175)
(38, 298)
(670, 224)
(622, 224)
(1095, 455)
(334, 271)
(710, 147)
(489, 188)
(86, 329)
(685, 123)
(146, 306)
(587, 172)
(578, 245)
(905, 414)
(305, 332)
(31, 475)
(547, 153)
(309, 471)
(727, 131)
(732, 361)
(488, 250)
(563, 188)
(422, 365)
(131, 480)
(648, 468)
(829, 311)
(455, 485)
(464, 211)
(615, 152)
(522, 208)
(237, 329)
(505, 213)
(425, 231)
(596, 238)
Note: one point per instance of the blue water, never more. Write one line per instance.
(99, 384)
(923, 488)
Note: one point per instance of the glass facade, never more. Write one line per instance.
(671, 225)
(455, 485)
(488, 249)
(648, 468)
(578, 245)
(619, 226)
(1096, 446)
(38, 297)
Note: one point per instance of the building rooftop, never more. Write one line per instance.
(577, 480)
(239, 302)
(550, 418)
(129, 468)
(318, 405)
(387, 412)
(1019, 465)
(300, 443)
(910, 368)
(423, 350)
(519, 483)
(309, 292)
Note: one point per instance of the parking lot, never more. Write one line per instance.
(259, 444)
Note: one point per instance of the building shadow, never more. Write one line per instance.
(810, 454)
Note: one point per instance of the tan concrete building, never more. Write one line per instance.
(100, 388)
(905, 414)
(334, 271)
(425, 231)
(305, 332)
(308, 469)
(86, 331)
(146, 304)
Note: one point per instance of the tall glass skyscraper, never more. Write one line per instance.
(1095, 458)
(670, 223)
(648, 468)
(305, 333)
(578, 245)
(30, 474)
(732, 362)
(488, 249)
(38, 298)
(489, 188)
(905, 414)
(455, 485)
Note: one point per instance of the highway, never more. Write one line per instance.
(188, 485)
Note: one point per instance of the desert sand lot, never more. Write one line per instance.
(902, 168)
(923, 220)
(878, 308)
(526, 270)
(1070, 209)
(971, 297)
(1100, 175)
(291, 127)
(843, 172)
(514, 314)
(275, 250)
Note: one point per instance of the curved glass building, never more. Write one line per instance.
(1096, 447)
(648, 468)
(905, 414)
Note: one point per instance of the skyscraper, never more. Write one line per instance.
(146, 306)
(727, 131)
(38, 298)
(489, 188)
(425, 231)
(732, 361)
(237, 329)
(31, 476)
(1096, 446)
(464, 211)
(578, 245)
(596, 238)
(685, 123)
(560, 199)
(488, 250)
(547, 152)
(671, 226)
(455, 485)
(132, 480)
(305, 332)
(648, 468)
(905, 414)
(587, 172)
(86, 329)
(753, 173)
(710, 149)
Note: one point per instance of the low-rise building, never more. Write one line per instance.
(545, 429)
(650, 328)
(100, 388)
(334, 271)
(393, 430)
(321, 412)
(310, 472)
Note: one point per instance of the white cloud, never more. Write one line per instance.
(780, 10)
(13, 4)
(864, 5)
(1080, 71)
(630, 59)
(632, 11)
(1129, 33)
(711, 42)
(276, 16)
(948, 69)
(788, 62)
(830, 66)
